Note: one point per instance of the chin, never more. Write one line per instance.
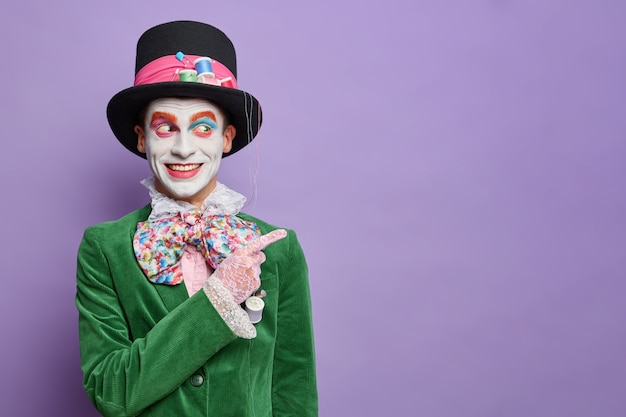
(185, 195)
(190, 193)
(186, 190)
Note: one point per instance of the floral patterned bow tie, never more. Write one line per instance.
(159, 245)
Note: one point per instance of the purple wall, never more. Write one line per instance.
(455, 172)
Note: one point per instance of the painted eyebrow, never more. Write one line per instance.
(163, 115)
(202, 114)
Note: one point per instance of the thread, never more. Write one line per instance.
(254, 308)
(188, 75)
(203, 65)
(227, 82)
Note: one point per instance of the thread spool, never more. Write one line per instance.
(203, 65)
(227, 82)
(188, 75)
(254, 308)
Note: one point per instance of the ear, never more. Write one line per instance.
(229, 135)
(141, 139)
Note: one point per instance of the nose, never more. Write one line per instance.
(183, 145)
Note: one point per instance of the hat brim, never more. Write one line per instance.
(244, 111)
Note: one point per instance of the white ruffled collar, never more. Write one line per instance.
(222, 200)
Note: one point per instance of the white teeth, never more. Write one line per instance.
(188, 167)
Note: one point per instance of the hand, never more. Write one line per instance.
(240, 272)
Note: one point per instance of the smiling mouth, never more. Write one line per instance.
(183, 171)
(182, 167)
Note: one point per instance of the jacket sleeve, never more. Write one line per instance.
(124, 375)
(294, 389)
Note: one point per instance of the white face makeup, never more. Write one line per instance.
(183, 140)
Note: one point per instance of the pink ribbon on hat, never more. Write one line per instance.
(167, 68)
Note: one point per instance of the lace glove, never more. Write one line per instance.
(233, 315)
(236, 275)
(240, 272)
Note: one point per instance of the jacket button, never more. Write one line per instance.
(197, 380)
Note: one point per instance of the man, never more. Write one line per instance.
(188, 307)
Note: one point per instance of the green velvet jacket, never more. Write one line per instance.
(151, 350)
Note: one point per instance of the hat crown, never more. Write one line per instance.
(188, 37)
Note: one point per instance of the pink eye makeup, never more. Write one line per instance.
(164, 124)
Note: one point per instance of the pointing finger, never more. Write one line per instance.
(264, 241)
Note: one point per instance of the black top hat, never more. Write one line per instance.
(162, 53)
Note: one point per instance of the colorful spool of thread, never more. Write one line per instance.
(188, 75)
(203, 65)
